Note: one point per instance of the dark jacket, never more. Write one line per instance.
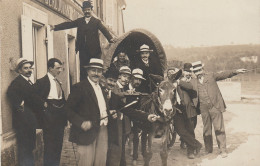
(154, 68)
(18, 91)
(87, 34)
(186, 94)
(42, 88)
(82, 105)
(210, 82)
(115, 103)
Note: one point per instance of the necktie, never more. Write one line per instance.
(59, 91)
(30, 82)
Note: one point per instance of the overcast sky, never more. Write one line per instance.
(187, 23)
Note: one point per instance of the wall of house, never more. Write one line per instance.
(16, 18)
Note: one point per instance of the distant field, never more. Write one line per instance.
(250, 83)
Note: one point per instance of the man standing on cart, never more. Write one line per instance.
(87, 43)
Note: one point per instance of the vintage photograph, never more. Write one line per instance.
(130, 82)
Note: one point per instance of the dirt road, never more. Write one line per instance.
(242, 123)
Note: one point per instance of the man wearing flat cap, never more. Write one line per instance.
(87, 110)
(24, 101)
(210, 103)
(87, 42)
(147, 63)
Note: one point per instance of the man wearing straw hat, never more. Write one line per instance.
(87, 43)
(211, 104)
(115, 134)
(149, 67)
(23, 101)
(87, 111)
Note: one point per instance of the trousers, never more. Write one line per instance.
(94, 154)
(211, 116)
(186, 132)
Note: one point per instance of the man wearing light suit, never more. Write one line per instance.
(211, 104)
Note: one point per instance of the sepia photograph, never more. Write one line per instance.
(130, 82)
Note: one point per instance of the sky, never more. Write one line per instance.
(193, 23)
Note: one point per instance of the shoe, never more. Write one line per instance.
(224, 154)
(183, 145)
(191, 156)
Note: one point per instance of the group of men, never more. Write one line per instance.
(100, 114)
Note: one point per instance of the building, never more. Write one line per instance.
(25, 32)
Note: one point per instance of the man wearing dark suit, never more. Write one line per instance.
(182, 127)
(120, 87)
(53, 120)
(23, 101)
(188, 107)
(211, 104)
(87, 42)
(149, 66)
(115, 134)
(85, 107)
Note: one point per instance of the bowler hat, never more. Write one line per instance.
(187, 67)
(86, 4)
(20, 62)
(95, 63)
(111, 73)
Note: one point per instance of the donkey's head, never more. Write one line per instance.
(166, 98)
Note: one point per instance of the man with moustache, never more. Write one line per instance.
(86, 108)
(120, 90)
(115, 134)
(211, 104)
(148, 64)
(53, 119)
(182, 127)
(23, 101)
(87, 42)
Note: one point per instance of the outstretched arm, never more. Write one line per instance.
(65, 25)
(228, 74)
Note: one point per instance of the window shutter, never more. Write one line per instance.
(50, 42)
(27, 45)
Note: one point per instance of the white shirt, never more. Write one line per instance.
(101, 102)
(87, 19)
(26, 78)
(120, 85)
(53, 94)
(131, 87)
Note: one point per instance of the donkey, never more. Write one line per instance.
(161, 102)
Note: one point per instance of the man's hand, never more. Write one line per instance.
(52, 27)
(113, 40)
(86, 125)
(153, 117)
(238, 71)
(113, 113)
(130, 91)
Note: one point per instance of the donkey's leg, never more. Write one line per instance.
(164, 149)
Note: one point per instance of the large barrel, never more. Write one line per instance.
(130, 42)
